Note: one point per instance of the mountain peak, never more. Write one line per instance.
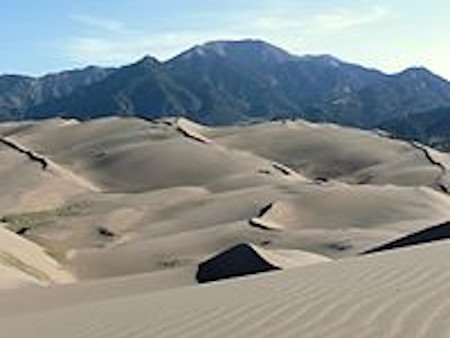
(245, 43)
(415, 71)
(418, 72)
(147, 60)
(248, 48)
(325, 58)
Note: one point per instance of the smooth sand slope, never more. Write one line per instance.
(328, 151)
(27, 187)
(400, 293)
(24, 263)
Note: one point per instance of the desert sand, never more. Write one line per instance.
(403, 293)
(136, 216)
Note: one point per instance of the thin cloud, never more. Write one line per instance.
(95, 50)
(116, 43)
(348, 18)
(284, 23)
(105, 24)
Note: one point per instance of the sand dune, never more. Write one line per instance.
(23, 262)
(333, 152)
(135, 196)
(245, 259)
(104, 150)
(25, 186)
(395, 294)
(341, 206)
(240, 260)
(431, 234)
(128, 207)
(113, 235)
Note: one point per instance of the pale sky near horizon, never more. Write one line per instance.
(51, 35)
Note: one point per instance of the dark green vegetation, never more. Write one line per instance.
(432, 128)
(233, 82)
(22, 223)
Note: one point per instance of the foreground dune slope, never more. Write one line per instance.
(399, 293)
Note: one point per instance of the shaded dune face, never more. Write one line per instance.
(237, 261)
(246, 258)
(431, 234)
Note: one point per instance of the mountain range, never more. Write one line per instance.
(225, 82)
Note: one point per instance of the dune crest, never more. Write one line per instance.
(245, 259)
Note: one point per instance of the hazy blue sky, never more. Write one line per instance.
(39, 36)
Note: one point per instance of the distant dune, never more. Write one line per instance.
(125, 207)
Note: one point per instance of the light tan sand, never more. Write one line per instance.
(26, 186)
(343, 206)
(22, 261)
(285, 259)
(400, 293)
(12, 278)
(332, 152)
